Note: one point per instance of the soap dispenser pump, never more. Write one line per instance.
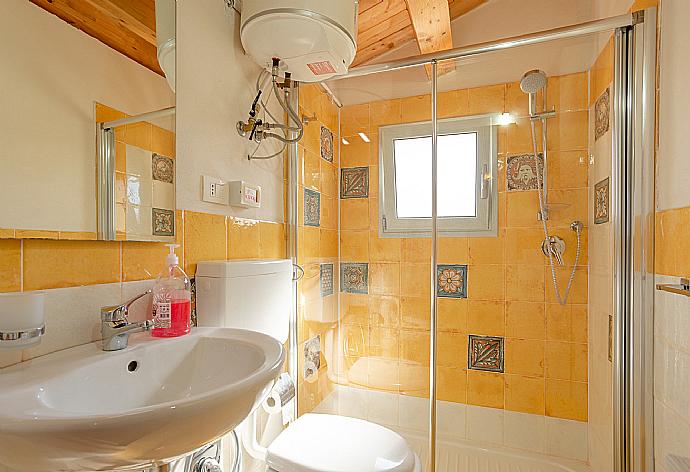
(172, 296)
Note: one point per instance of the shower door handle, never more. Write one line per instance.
(485, 182)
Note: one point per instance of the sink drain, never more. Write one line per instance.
(132, 366)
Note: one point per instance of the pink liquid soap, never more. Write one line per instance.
(180, 320)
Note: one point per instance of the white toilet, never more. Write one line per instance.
(256, 295)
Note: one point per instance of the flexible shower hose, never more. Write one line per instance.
(577, 228)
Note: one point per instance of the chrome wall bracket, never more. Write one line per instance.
(24, 335)
(681, 288)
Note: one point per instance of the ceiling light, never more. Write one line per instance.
(505, 119)
(345, 141)
(364, 137)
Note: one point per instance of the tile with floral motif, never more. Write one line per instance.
(451, 281)
(326, 279)
(602, 112)
(163, 222)
(326, 144)
(354, 277)
(312, 208)
(602, 202)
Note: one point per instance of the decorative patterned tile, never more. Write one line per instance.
(602, 201)
(312, 358)
(326, 279)
(451, 281)
(354, 182)
(326, 144)
(192, 288)
(312, 208)
(354, 277)
(163, 222)
(602, 111)
(163, 168)
(485, 353)
(522, 172)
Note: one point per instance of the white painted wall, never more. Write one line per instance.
(671, 320)
(216, 85)
(671, 379)
(51, 75)
(673, 159)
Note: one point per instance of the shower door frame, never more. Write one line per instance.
(632, 198)
(633, 211)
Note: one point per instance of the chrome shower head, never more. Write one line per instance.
(533, 81)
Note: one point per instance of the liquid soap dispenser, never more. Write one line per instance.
(172, 298)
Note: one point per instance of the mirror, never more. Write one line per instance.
(87, 139)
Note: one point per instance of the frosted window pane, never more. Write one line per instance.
(457, 176)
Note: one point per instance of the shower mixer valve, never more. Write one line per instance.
(555, 246)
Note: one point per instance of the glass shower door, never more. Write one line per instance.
(374, 346)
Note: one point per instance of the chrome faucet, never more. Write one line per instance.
(115, 328)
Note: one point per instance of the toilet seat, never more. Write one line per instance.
(331, 443)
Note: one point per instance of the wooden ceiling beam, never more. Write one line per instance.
(100, 25)
(384, 25)
(138, 16)
(431, 23)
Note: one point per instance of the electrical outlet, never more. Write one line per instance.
(214, 190)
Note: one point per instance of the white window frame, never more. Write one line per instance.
(485, 223)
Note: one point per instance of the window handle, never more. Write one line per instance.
(486, 182)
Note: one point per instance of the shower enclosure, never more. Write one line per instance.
(475, 247)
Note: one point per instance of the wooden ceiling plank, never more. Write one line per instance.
(384, 45)
(365, 5)
(379, 12)
(387, 27)
(380, 25)
(102, 27)
(138, 16)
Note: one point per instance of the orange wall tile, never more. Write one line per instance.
(671, 255)
(57, 264)
(83, 262)
(10, 265)
(319, 245)
(509, 280)
(205, 239)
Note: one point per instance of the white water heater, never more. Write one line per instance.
(165, 38)
(314, 39)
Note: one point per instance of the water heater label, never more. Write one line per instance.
(321, 68)
(251, 195)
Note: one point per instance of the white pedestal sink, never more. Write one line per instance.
(83, 409)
